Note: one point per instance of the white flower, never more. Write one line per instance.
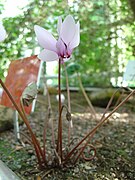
(69, 38)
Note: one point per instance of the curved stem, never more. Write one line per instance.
(69, 104)
(35, 141)
(36, 144)
(86, 97)
(91, 133)
(110, 102)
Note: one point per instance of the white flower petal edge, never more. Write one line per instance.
(76, 40)
(69, 38)
(59, 25)
(68, 29)
(2, 32)
(47, 55)
(45, 38)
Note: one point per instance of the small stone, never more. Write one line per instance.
(87, 167)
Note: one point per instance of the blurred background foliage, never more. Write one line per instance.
(107, 35)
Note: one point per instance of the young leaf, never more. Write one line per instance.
(29, 94)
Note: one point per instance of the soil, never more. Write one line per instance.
(114, 142)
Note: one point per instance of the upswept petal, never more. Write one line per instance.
(69, 51)
(68, 29)
(59, 25)
(61, 49)
(45, 38)
(47, 55)
(2, 32)
(76, 40)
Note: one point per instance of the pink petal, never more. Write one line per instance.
(2, 32)
(45, 39)
(69, 51)
(47, 55)
(76, 40)
(59, 25)
(60, 47)
(68, 29)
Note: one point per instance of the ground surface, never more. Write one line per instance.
(114, 142)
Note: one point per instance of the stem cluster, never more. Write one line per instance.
(73, 154)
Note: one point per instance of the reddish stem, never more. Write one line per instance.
(59, 143)
(91, 133)
(35, 141)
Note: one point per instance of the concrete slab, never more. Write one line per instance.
(6, 173)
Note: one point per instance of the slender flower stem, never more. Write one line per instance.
(50, 112)
(91, 133)
(44, 136)
(68, 91)
(35, 141)
(86, 97)
(69, 104)
(59, 143)
(109, 103)
(46, 121)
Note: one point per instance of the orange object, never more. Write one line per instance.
(20, 74)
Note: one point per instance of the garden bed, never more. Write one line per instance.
(114, 142)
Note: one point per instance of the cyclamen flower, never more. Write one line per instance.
(2, 32)
(69, 38)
